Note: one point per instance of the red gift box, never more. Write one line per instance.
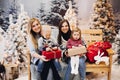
(52, 54)
(94, 48)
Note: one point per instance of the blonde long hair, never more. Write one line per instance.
(31, 33)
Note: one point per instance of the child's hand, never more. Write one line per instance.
(55, 48)
(79, 45)
(73, 46)
(48, 49)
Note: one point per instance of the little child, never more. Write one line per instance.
(75, 41)
(46, 43)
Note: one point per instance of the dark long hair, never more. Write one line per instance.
(65, 36)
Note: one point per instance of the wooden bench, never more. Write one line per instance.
(12, 71)
(90, 36)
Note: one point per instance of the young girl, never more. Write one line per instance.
(77, 62)
(46, 43)
(75, 41)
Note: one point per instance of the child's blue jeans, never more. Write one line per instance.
(82, 69)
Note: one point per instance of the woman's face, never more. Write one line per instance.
(36, 26)
(64, 27)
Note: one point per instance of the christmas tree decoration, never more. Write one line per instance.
(103, 18)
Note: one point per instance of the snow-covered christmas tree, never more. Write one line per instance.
(13, 9)
(23, 20)
(117, 39)
(16, 47)
(103, 18)
(2, 41)
(10, 53)
(117, 46)
(53, 14)
(117, 21)
(3, 20)
(71, 16)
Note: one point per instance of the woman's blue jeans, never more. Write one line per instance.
(35, 75)
(82, 69)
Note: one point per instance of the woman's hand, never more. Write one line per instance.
(55, 48)
(43, 58)
(66, 53)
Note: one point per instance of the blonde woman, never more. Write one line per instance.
(34, 30)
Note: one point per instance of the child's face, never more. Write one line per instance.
(47, 35)
(76, 35)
